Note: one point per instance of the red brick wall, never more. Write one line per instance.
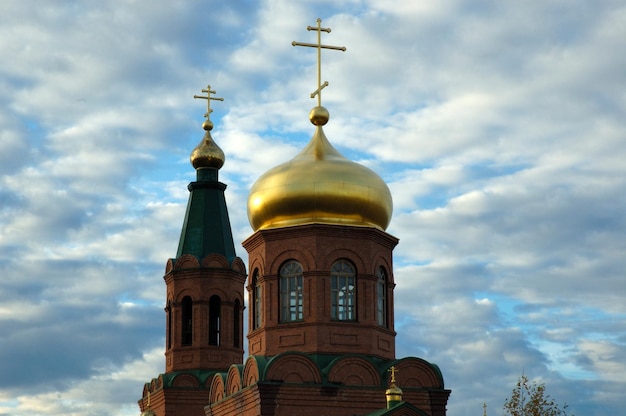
(316, 247)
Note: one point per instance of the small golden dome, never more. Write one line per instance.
(319, 185)
(207, 154)
(394, 390)
(394, 395)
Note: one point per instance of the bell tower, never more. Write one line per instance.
(205, 283)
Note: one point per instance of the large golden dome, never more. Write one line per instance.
(319, 185)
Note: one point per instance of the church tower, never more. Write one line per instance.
(320, 293)
(321, 337)
(320, 261)
(205, 284)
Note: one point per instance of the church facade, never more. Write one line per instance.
(319, 288)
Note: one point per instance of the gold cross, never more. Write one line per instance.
(484, 409)
(319, 47)
(393, 370)
(208, 99)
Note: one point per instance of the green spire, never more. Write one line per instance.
(206, 229)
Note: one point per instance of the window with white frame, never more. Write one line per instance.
(256, 301)
(291, 292)
(343, 291)
(381, 297)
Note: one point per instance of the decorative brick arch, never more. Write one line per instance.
(217, 389)
(233, 380)
(417, 373)
(169, 266)
(382, 262)
(178, 297)
(185, 380)
(250, 372)
(223, 295)
(238, 265)
(346, 254)
(304, 257)
(293, 368)
(255, 266)
(354, 371)
(258, 260)
(215, 261)
(186, 261)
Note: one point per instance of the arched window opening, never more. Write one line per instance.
(168, 313)
(187, 321)
(215, 306)
(256, 301)
(343, 291)
(291, 292)
(381, 297)
(236, 324)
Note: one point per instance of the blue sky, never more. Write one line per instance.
(499, 126)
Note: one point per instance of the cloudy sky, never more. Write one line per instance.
(499, 126)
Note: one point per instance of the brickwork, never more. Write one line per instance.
(188, 278)
(177, 402)
(315, 364)
(284, 399)
(303, 384)
(316, 247)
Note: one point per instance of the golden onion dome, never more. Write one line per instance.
(394, 395)
(207, 154)
(319, 185)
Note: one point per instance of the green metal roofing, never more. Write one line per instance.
(402, 406)
(326, 362)
(206, 229)
(201, 375)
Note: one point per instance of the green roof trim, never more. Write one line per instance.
(201, 375)
(433, 366)
(206, 229)
(325, 363)
(400, 406)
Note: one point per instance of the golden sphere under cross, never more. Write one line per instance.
(319, 116)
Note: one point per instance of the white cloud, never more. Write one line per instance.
(499, 127)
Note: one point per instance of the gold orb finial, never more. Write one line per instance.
(319, 116)
(207, 125)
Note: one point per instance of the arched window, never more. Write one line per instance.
(187, 321)
(256, 301)
(342, 291)
(291, 292)
(236, 324)
(381, 297)
(215, 305)
(168, 312)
